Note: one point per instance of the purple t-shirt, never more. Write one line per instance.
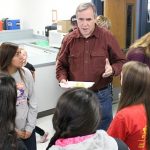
(138, 54)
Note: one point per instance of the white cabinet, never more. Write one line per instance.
(47, 88)
(46, 85)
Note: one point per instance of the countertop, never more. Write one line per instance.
(38, 55)
(41, 57)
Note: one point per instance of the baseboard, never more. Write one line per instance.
(46, 113)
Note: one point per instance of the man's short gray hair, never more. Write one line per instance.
(84, 6)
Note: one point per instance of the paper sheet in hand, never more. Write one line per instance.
(72, 84)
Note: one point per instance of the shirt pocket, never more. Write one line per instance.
(98, 59)
(74, 60)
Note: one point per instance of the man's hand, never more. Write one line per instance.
(108, 69)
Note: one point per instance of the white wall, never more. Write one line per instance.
(9, 8)
(36, 14)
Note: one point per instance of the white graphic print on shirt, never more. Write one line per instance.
(21, 97)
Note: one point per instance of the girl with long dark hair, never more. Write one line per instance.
(11, 62)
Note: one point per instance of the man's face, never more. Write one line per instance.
(86, 22)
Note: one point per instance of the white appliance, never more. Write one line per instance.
(55, 39)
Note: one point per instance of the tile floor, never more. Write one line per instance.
(46, 124)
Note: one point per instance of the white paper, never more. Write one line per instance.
(72, 84)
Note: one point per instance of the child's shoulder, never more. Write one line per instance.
(26, 71)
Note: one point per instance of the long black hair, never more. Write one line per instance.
(77, 114)
(8, 97)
